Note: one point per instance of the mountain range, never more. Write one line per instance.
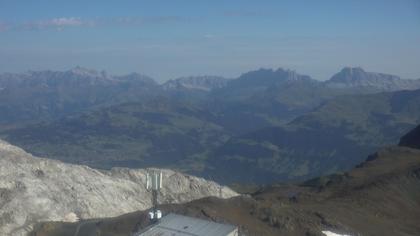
(46, 95)
(269, 125)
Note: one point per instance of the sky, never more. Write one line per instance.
(173, 38)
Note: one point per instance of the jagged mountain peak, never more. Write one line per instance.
(356, 77)
(351, 70)
(82, 71)
(358, 74)
(349, 74)
(269, 77)
(74, 74)
(279, 73)
(204, 82)
(136, 77)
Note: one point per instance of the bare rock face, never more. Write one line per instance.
(356, 77)
(205, 83)
(36, 189)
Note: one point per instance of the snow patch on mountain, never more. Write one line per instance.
(329, 233)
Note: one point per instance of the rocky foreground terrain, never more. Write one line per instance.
(381, 196)
(36, 189)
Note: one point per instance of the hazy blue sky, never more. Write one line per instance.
(172, 38)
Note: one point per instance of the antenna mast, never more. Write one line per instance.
(154, 183)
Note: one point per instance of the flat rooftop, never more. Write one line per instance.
(179, 225)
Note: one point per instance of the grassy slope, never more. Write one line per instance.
(155, 133)
(334, 137)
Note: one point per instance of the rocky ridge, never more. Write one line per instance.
(37, 189)
(205, 83)
(356, 77)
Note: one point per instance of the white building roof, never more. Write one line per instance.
(178, 225)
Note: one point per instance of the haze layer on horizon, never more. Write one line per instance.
(168, 39)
